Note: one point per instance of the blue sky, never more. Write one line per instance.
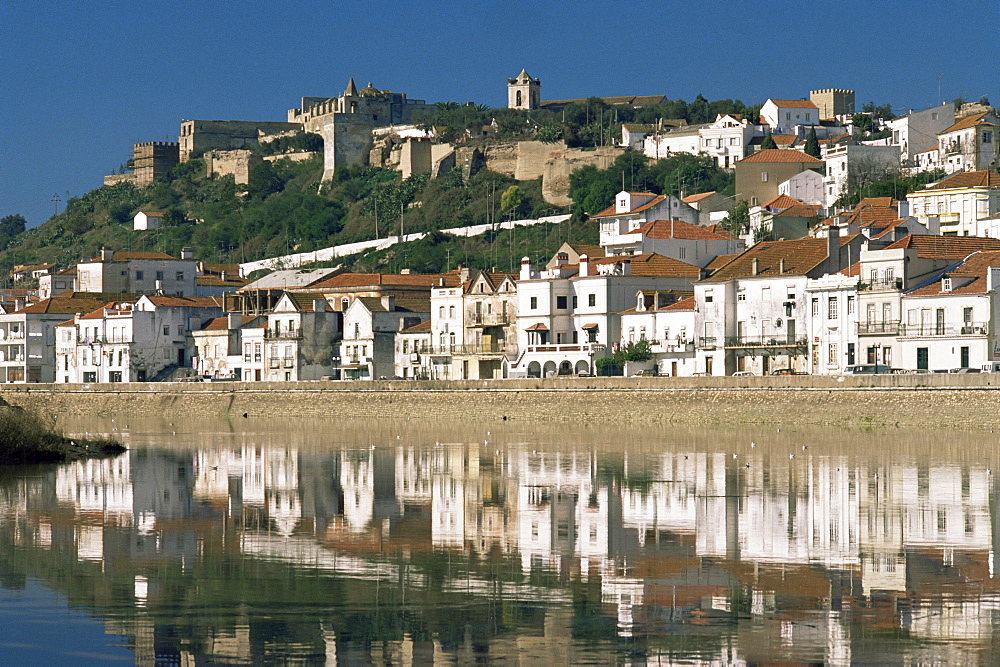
(83, 81)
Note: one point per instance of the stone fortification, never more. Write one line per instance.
(967, 402)
(237, 163)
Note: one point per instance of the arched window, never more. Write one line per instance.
(451, 312)
(518, 102)
(344, 303)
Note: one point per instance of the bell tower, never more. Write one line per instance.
(523, 92)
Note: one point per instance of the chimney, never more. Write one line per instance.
(389, 303)
(319, 305)
(833, 250)
(626, 267)
(525, 269)
(561, 259)
(464, 273)
(187, 253)
(781, 267)
(754, 267)
(107, 255)
(584, 266)
(19, 302)
(234, 320)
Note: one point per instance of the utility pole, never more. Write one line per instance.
(55, 204)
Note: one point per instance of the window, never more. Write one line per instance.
(159, 275)
(753, 201)
(815, 307)
(139, 275)
(441, 312)
(874, 276)
(831, 308)
(831, 358)
(988, 137)
(886, 312)
(561, 303)
(788, 115)
(166, 329)
(574, 301)
(591, 300)
(763, 177)
(534, 303)
(967, 315)
(180, 276)
(741, 295)
(683, 253)
(708, 296)
(451, 312)
(850, 305)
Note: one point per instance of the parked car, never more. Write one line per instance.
(867, 369)
(964, 370)
(787, 371)
(743, 374)
(647, 373)
(991, 367)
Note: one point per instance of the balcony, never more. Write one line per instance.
(892, 328)
(489, 319)
(766, 341)
(941, 329)
(283, 335)
(891, 285)
(675, 345)
(707, 342)
(509, 349)
(578, 347)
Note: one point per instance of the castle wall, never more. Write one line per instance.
(347, 141)
(415, 158)
(199, 136)
(236, 162)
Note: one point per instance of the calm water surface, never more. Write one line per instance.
(418, 543)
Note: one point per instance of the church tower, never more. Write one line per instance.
(523, 92)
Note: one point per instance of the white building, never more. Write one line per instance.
(726, 140)
(842, 159)
(916, 132)
(120, 272)
(301, 335)
(960, 202)
(147, 220)
(28, 337)
(368, 347)
(631, 210)
(970, 144)
(787, 116)
(569, 316)
(753, 313)
(131, 342)
(218, 346)
(832, 324)
(666, 320)
(807, 187)
(670, 238)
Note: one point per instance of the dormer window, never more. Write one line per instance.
(946, 284)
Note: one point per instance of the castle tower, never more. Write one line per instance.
(523, 92)
(833, 102)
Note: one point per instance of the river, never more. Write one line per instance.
(419, 542)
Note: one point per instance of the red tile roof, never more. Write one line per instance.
(721, 261)
(690, 199)
(124, 256)
(423, 327)
(651, 264)
(779, 155)
(781, 201)
(967, 179)
(969, 277)
(967, 122)
(799, 211)
(945, 247)
(188, 301)
(785, 139)
(795, 104)
(63, 305)
(366, 279)
(683, 304)
(676, 229)
(610, 211)
(799, 257)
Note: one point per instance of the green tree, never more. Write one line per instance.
(768, 142)
(812, 143)
(12, 225)
(511, 201)
(737, 222)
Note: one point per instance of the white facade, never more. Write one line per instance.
(147, 220)
(118, 272)
(832, 332)
(917, 131)
(970, 144)
(786, 116)
(841, 159)
(634, 209)
(807, 187)
(667, 327)
(725, 140)
(959, 209)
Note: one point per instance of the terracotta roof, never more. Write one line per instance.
(781, 201)
(216, 281)
(967, 179)
(800, 256)
(877, 201)
(63, 305)
(717, 228)
(967, 122)
(124, 256)
(537, 327)
(610, 211)
(374, 304)
(798, 211)
(423, 327)
(794, 104)
(854, 270)
(690, 199)
(651, 264)
(968, 278)
(304, 301)
(186, 301)
(589, 325)
(945, 247)
(682, 304)
(591, 251)
(785, 139)
(639, 127)
(888, 228)
(675, 229)
(720, 261)
(779, 155)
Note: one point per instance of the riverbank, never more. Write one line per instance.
(26, 436)
(951, 401)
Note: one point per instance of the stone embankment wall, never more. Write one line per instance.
(959, 401)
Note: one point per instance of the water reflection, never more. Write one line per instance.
(393, 546)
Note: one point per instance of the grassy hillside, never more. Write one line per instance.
(285, 209)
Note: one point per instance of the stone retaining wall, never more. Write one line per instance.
(962, 401)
